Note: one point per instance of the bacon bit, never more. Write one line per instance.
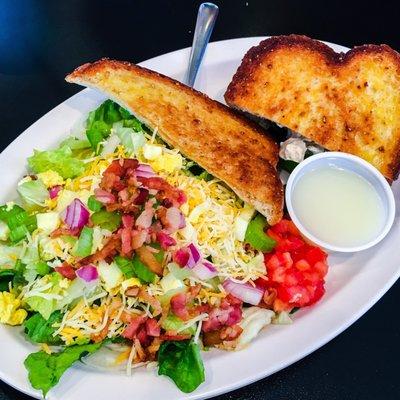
(164, 190)
(146, 217)
(178, 306)
(142, 336)
(132, 291)
(212, 338)
(165, 240)
(127, 221)
(127, 317)
(104, 197)
(124, 194)
(109, 250)
(153, 301)
(115, 168)
(130, 163)
(147, 258)
(66, 271)
(228, 314)
(130, 331)
(231, 332)
(99, 337)
(167, 336)
(65, 232)
(126, 241)
(142, 196)
(138, 238)
(154, 347)
(152, 327)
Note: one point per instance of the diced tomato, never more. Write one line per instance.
(319, 292)
(295, 270)
(315, 254)
(321, 268)
(66, 271)
(302, 265)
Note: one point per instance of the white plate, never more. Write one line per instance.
(354, 282)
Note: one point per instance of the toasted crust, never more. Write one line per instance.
(346, 102)
(222, 142)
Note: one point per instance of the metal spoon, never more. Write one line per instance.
(206, 18)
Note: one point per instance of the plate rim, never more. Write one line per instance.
(264, 373)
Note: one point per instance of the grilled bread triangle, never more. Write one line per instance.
(225, 144)
(347, 102)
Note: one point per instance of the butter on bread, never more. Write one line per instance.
(346, 102)
(222, 142)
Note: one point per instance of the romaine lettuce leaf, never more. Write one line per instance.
(60, 160)
(45, 370)
(40, 330)
(181, 361)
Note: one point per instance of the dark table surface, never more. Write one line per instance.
(40, 41)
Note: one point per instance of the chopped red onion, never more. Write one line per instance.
(88, 273)
(194, 256)
(205, 270)
(145, 218)
(103, 196)
(144, 171)
(175, 219)
(76, 215)
(53, 191)
(165, 240)
(243, 291)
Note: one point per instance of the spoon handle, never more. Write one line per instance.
(206, 18)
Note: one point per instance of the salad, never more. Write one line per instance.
(120, 252)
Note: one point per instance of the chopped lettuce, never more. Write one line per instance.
(6, 276)
(110, 274)
(131, 139)
(33, 193)
(181, 361)
(45, 370)
(40, 330)
(174, 323)
(46, 302)
(60, 160)
(104, 118)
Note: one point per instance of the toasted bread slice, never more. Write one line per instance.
(347, 102)
(222, 142)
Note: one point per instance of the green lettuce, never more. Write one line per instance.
(60, 160)
(33, 193)
(45, 370)
(131, 139)
(47, 306)
(181, 361)
(40, 330)
(104, 118)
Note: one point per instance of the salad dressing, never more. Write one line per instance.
(338, 206)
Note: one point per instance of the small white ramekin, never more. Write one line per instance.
(350, 163)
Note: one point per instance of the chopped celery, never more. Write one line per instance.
(94, 205)
(85, 242)
(142, 271)
(106, 220)
(125, 265)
